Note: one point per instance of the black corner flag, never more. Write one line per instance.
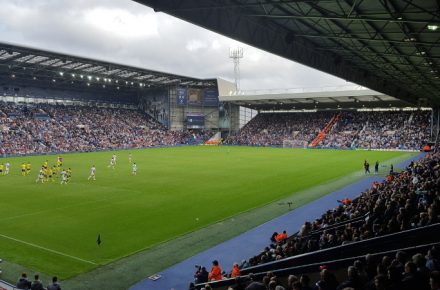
(98, 241)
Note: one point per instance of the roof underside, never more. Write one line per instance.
(328, 100)
(30, 65)
(389, 46)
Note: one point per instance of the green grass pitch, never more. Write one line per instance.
(53, 228)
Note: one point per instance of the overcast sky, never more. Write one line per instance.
(126, 32)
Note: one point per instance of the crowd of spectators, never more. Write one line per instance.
(374, 272)
(390, 130)
(55, 128)
(405, 200)
(368, 130)
(271, 129)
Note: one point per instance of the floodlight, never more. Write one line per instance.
(432, 27)
(97, 78)
(81, 76)
(73, 75)
(89, 77)
(61, 73)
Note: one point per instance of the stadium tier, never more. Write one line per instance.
(30, 129)
(345, 130)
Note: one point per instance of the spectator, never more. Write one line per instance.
(235, 271)
(55, 285)
(352, 281)
(23, 282)
(216, 272)
(36, 284)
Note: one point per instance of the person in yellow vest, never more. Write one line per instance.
(2, 168)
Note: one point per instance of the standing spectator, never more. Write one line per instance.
(216, 272)
(36, 284)
(55, 285)
(23, 283)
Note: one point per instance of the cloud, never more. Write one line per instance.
(129, 33)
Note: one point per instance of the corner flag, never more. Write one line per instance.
(98, 241)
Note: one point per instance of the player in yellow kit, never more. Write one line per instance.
(28, 168)
(2, 168)
(23, 169)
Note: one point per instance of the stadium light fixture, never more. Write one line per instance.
(88, 84)
(89, 77)
(12, 76)
(73, 75)
(54, 80)
(97, 78)
(34, 78)
(117, 81)
(61, 73)
(81, 76)
(432, 27)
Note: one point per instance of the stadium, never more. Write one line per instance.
(114, 176)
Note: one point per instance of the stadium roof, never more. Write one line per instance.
(36, 65)
(352, 97)
(387, 45)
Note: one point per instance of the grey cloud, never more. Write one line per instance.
(60, 25)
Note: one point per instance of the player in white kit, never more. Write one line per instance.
(92, 173)
(133, 169)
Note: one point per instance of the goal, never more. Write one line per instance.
(287, 143)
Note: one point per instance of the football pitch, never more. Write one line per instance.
(53, 228)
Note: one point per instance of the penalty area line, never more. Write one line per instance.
(46, 249)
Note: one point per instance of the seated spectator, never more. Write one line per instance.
(352, 281)
(216, 272)
(235, 271)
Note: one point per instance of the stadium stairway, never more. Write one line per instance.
(327, 129)
(253, 241)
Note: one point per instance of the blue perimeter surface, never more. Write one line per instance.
(255, 240)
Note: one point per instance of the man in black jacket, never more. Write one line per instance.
(23, 283)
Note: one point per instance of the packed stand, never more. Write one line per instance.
(271, 129)
(54, 128)
(380, 130)
(404, 201)
(399, 271)
(368, 130)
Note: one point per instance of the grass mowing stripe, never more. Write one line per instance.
(176, 191)
(47, 249)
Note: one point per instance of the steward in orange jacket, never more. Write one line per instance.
(235, 271)
(216, 272)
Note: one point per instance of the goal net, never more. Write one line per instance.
(287, 143)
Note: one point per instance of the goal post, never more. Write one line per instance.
(287, 143)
